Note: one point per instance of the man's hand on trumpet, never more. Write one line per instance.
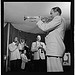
(46, 19)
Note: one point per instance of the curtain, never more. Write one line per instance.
(13, 32)
(5, 46)
(29, 37)
(5, 38)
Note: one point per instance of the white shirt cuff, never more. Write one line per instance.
(39, 22)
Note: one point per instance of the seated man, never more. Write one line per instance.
(24, 60)
(38, 48)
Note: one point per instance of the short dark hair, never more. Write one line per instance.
(57, 9)
(22, 40)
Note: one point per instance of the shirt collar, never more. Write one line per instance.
(38, 42)
(14, 43)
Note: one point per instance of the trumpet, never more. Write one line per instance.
(43, 19)
(29, 17)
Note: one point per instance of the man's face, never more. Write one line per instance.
(22, 42)
(24, 51)
(53, 14)
(16, 39)
(38, 38)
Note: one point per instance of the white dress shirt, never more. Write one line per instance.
(15, 54)
(37, 53)
(54, 40)
(21, 46)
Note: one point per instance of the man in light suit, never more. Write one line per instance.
(15, 60)
(38, 48)
(54, 40)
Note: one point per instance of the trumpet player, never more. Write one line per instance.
(15, 60)
(54, 40)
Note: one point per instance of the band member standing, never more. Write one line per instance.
(54, 40)
(15, 60)
(38, 48)
(23, 48)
